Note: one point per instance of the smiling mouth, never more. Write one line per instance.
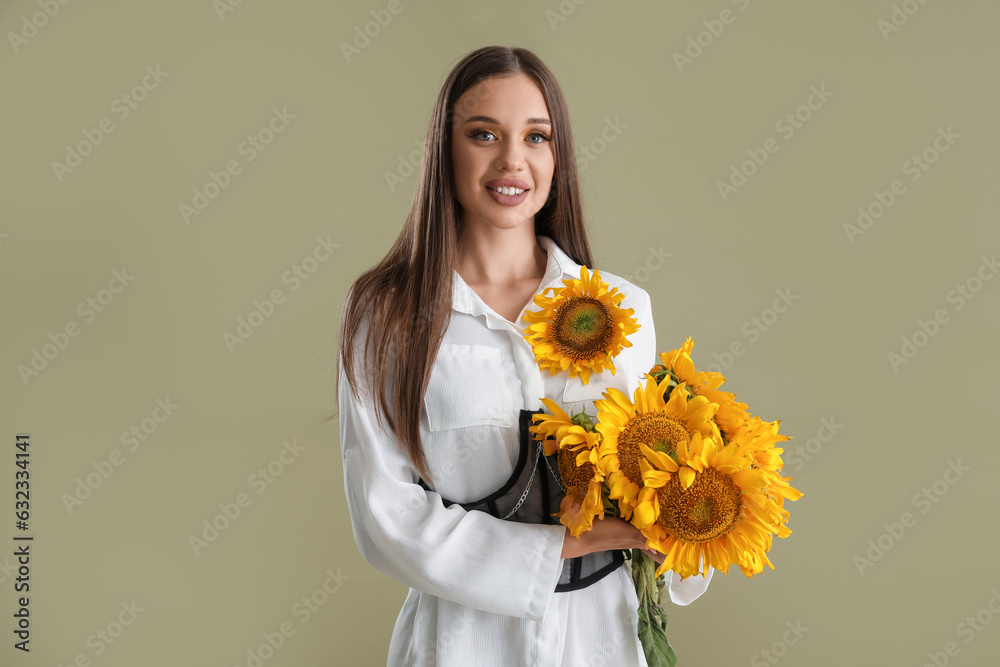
(507, 191)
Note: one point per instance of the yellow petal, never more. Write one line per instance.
(687, 477)
(659, 458)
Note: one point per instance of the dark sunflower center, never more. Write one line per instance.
(706, 510)
(655, 430)
(583, 327)
(575, 479)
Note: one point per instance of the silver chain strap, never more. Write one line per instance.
(534, 468)
(524, 495)
(558, 481)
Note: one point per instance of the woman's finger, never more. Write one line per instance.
(655, 555)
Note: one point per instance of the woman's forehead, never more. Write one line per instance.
(507, 98)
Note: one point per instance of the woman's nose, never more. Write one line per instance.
(511, 156)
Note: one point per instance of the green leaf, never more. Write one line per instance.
(652, 617)
(611, 507)
(658, 651)
(583, 419)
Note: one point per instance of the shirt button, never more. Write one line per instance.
(347, 453)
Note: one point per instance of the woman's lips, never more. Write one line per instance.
(508, 200)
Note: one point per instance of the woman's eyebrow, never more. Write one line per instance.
(490, 119)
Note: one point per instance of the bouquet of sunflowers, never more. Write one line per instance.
(681, 460)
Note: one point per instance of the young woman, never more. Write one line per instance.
(446, 491)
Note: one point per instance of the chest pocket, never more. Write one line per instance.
(469, 387)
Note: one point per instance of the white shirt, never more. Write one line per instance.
(482, 589)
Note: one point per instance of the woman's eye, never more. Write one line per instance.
(487, 135)
(478, 134)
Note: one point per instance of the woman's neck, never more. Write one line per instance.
(500, 257)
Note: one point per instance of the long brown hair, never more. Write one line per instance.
(406, 298)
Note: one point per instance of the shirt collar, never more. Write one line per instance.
(559, 266)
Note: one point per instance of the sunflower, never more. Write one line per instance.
(648, 420)
(576, 450)
(559, 430)
(758, 437)
(707, 508)
(582, 502)
(731, 414)
(580, 328)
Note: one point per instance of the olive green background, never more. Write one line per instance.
(654, 138)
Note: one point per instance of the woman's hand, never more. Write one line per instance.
(607, 534)
(655, 555)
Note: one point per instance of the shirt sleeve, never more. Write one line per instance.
(644, 340)
(405, 531)
(685, 592)
(647, 355)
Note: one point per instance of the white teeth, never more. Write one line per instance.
(508, 191)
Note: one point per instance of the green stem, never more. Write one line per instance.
(652, 618)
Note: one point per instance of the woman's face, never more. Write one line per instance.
(502, 137)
